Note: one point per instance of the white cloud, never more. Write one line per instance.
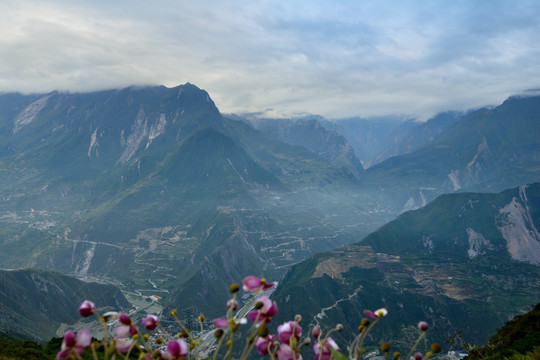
(334, 58)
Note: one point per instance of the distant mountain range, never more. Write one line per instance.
(486, 150)
(311, 134)
(153, 189)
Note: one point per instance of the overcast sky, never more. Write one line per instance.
(333, 58)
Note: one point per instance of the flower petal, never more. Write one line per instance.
(370, 314)
(221, 323)
(84, 338)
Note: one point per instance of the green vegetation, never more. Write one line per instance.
(518, 339)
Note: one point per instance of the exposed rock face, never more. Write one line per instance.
(517, 227)
(477, 244)
(29, 113)
(139, 130)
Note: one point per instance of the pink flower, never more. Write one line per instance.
(123, 345)
(125, 331)
(253, 284)
(379, 313)
(87, 308)
(322, 350)
(288, 331)
(74, 343)
(266, 311)
(316, 332)
(122, 332)
(150, 322)
(221, 323)
(286, 353)
(423, 326)
(177, 349)
(266, 344)
(124, 319)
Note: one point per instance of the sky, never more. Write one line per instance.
(333, 58)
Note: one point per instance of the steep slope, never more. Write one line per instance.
(419, 135)
(369, 137)
(465, 262)
(308, 132)
(63, 148)
(487, 150)
(35, 302)
(517, 338)
(149, 187)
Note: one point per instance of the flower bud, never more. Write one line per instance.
(258, 305)
(87, 308)
(150, 322)
(436, 348)
(429, 354)
(385, 347)
(423, 326)
(365, 322)
(397, 355)
(218, 333)
(316, 332)
(262, 331)
(124, 319)
(159, 340)
(298, 318)
(174, 312)
(234, 288)
(232, 304)
(201, 318)
(307, 341)
(339, 327)
(361, 328)
(418, 356)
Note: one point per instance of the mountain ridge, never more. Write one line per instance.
(453, 256)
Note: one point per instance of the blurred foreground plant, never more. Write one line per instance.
(128, 340)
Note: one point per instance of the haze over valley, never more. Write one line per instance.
(360, 160)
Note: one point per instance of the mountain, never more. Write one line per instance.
(152, 189)
(149, 187)
(372, 136)
(465, 262)
(486, 150)
(419, 135)
(34, 303)
(309, 133)
(516, 339)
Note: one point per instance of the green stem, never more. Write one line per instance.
(218, 346)
(360, 344)
(415, 345)
(94, 354)
(103, 322)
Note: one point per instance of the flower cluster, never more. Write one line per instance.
(285, 344)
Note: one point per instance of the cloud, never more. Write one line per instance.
(333, 58)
